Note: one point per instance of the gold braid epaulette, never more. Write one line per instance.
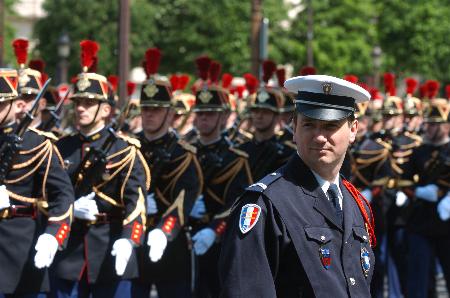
(46, 134)
(187, 146)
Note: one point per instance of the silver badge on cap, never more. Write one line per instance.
(327, 87)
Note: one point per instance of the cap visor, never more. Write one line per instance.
(321, 113)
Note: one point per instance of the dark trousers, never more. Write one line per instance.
(422, 255)
(385, 265)
(62, 288)
(208, 284)
(173, 289)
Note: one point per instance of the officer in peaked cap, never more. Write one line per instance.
(36, 199)
(304, 231)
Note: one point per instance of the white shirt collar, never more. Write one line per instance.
(324, 185)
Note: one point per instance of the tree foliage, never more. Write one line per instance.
(412, 34)
(414, 37)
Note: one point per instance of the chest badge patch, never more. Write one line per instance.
(249, 216)
(365, 261)
(325, 257)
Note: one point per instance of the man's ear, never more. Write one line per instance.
(353, 130)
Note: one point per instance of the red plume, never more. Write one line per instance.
(411, 85)
(175, 82)
(183, 81)
(281, 76)
(20, 50)
(364, 86)
(307, 70)
(433, 88)
(214, 71)
(269, 68)
(423, 91)
(375, 94)
(251, 82)
(94, 65)
(226, 80)
(130, 88)
(89, 51)
(114, 81)
(351, 78)
(240, 91)
(389, 83)
(152, 59)
(447, 91)
(203, 63)
(37, 64)
(44, 77)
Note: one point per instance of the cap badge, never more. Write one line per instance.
(23, 79)
(205, 96)
(83, 83)
(327, 87)
(263, 96)
(151, 90)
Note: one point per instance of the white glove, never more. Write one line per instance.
(152, 208)
(400, 198)
(4, 198)
(443, 208)
(199, 209)
(85, 207)
(122, 249)
(157, 242)
(428, 192)
(367, 193)
(203, 240)
(46, 248)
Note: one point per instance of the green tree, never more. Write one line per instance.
(8, 57)
(344, 36)
(182, 29)
(81, 19)
(414, 37)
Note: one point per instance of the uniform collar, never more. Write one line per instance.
(324, 185)
(94, 136)
(8, 128)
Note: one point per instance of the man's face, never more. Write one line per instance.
(154, 118)
(392, 121)
(7, 111)
(263, 119)
(86, 111)
(436, 132)
(25, 103)
(208, 122)
(323, 143)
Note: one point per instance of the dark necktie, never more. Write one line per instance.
(333, 195)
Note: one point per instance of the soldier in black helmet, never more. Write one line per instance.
(265, 152)
(36, 199)
(176, 182)
(226, 174)
(111, 188)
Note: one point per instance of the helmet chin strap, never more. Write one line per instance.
(6, 115)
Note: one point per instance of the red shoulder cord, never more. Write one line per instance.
(369, 222)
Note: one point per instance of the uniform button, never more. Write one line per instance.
(322, 238)
(365, 238)
(352, 281)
